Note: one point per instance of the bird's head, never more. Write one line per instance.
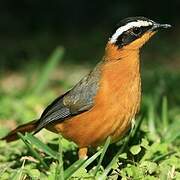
(132, 33)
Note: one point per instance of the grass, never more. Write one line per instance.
(149, 151)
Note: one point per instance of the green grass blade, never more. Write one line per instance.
(162, 157)
(18, 175)
(137, 126)
(73, 168)
(81, 163)
(60, 169)
(92, 158)
(151, 118)
(40, 145)
(32, 150)
(106, 145)
(115, 159)
(173, 132)
(48, 69)
(165, 113)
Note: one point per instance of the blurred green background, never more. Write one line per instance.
(47, 46)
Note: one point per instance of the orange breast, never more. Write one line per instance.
(115, 105)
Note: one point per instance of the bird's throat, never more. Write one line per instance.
(122, 80)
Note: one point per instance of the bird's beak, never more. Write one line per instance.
(157, 26)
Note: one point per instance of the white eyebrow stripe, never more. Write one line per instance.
(130, 25)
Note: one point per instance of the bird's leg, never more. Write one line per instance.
(82, 153)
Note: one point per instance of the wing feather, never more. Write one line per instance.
(77, 100)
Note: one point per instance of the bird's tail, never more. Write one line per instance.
(28, 127)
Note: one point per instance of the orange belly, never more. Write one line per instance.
(115, 105)
(92, 128)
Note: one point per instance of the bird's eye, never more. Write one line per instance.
(136, 31)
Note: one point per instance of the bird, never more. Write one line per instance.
(105, 101)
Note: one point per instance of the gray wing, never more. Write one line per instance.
(78, 100)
